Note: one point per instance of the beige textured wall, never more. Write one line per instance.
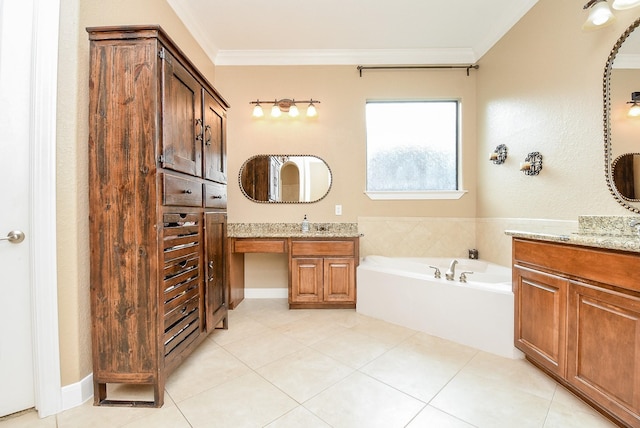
(540, 89)
(72, 193)
(337, 135)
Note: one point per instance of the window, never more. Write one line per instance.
(412, 149)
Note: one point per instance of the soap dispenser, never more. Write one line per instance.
(305, 224)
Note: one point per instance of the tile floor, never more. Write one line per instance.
(336, 368)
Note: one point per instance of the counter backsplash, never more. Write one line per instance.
(607, 225)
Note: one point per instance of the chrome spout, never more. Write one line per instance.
(451, 272)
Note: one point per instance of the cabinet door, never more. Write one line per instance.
(215, 151)
(603, 356)
(181, 118)
(339, 280)
(215, 292)
(306, 280)
(540, 313)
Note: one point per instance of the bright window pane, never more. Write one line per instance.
(412, 146)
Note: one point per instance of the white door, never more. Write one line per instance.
(16, 353)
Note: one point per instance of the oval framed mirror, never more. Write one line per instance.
(622, 133)
(285, 179)
(626, 176)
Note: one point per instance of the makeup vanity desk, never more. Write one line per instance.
(322, 262)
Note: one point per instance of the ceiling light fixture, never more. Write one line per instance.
(285, 105)
(600, 15)
(634, 110)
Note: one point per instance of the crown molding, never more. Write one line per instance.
(345, 57)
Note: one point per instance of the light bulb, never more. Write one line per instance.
(625, 4)
(634, 111)
(257, 111)
(293, 110)
(599, 16)
(275, 111)
(311, 110)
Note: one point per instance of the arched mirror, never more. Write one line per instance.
(621, 131)
(290, 179)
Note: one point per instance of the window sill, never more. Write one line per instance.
(436, 194)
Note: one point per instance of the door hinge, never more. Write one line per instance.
(161, 53)
(161, 158)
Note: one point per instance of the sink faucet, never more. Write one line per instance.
(451, 272)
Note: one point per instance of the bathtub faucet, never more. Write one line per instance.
(451, 272)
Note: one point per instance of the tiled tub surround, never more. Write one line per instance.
(448, 237)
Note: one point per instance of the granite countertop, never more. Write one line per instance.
(611, 232)
(292, 230)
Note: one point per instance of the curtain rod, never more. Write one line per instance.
(403, 67)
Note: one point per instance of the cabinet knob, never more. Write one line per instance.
(188, 191)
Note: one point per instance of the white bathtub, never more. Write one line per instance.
(478, 313)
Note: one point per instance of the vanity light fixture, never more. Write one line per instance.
(532, 164)
(499, 155)
(634, 110)
(600, 15)
(285, 105)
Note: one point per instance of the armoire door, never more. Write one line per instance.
(215, 224)
(182, 127)
(215, 152)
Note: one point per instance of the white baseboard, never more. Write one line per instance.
(266, 293)
(77, 393)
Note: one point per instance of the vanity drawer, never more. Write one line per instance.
(322, 248)
(215, 195)
(181, 191)
(260, 246)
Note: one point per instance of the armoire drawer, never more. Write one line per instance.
(215, 195)
(181, 191)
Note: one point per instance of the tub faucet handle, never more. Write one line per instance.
(437, 273)
(463, 276)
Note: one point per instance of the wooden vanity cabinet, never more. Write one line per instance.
(157, 225)
(322, 273)
(578, 318)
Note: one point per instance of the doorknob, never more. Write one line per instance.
(15, 237)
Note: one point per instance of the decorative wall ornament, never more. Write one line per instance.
(499, 155)
(532, 164)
